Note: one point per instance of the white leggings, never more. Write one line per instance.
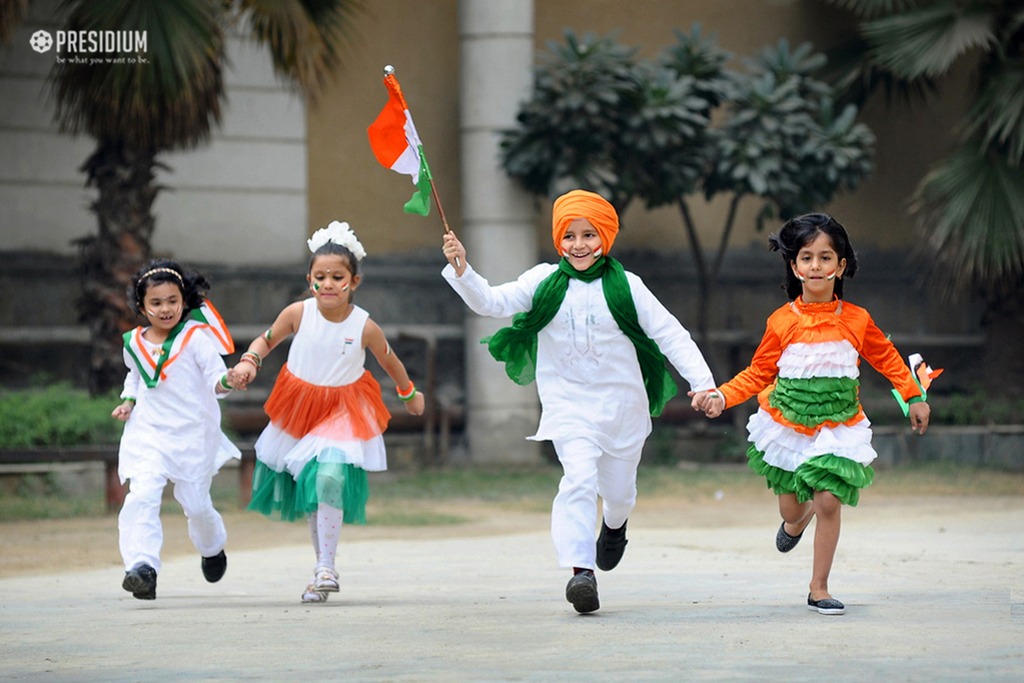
(141, 534)
(587, 473)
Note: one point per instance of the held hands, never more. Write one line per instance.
(455, 253)
(241, 375)
(123, 411)
(919, 414)
(709, 401)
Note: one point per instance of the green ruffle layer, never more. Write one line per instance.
(842, 477)
(810, 402)
(340, 485)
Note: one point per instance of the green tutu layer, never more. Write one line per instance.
(810, 402)
(841, 477)
(340, 485)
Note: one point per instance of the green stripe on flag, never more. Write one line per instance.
(420, 202)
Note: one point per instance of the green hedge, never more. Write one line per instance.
(57, 415)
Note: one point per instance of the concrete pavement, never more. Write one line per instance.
(932, 594)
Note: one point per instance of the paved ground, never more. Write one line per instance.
(934, 591)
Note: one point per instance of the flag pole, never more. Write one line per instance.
(389, 73)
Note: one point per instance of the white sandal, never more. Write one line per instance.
(326, 580)
(313, 595)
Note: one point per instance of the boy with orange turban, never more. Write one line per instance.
(596, 340)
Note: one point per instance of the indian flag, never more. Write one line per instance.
(396, 144)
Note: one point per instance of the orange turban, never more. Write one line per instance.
(583, 204)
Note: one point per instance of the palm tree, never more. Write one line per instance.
(970, 206)
(171, 101)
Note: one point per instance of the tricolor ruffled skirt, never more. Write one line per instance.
(318, 447)
(811, 435)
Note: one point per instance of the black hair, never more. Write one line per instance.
(192, 284)
(800, 231)
(334, 249)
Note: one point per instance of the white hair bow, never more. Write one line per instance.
(341, 234)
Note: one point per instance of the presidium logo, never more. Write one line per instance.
(93, 47)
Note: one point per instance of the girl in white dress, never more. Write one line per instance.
(326, 413)
(596, 339)
(172, 431)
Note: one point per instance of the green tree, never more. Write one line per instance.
(970, 206)
(780, 141)
(135, 112)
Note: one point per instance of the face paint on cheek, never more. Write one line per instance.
(316, 286)
(344, 287)
(831, 276)
(152, 313)
(597, 253)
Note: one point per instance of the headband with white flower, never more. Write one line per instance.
(339, 233)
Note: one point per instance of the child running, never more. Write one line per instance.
(596, 340)
(326, 413)
(172, 421)
(810, 438)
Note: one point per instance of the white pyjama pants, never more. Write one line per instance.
(587, 473)
(141, 534)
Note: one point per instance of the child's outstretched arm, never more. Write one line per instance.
(373, 339)
(245, 370)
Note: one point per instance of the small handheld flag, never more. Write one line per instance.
(397, 146)
(923, 376)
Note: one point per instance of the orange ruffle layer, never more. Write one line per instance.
(354, 412)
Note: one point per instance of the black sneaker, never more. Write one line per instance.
(784, 542)
(214, 567)
(581, 591)
(827, 606)
(610, 546)
(140, 582)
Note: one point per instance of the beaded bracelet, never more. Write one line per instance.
(409, 393)
(254, 358)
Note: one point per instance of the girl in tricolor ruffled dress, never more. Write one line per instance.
(810, 437)
(172, 431)
(326, 413)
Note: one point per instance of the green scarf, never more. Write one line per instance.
(516, 346)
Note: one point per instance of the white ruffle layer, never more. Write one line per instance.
(280, 451)
(787, 449)
(823, 359)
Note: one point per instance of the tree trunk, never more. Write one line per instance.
(1003, 354)
(108, 260)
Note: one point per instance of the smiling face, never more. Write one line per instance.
(331, 281)
(163, 304)
(581, 244)
(818, 266)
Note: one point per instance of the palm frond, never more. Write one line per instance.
(926, 42)
(998, 115)
(868, 9)
(970, 210)
(168, 98)
(304, 36)
(855, 78)
(11, 14)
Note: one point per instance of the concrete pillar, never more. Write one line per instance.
(496, 55)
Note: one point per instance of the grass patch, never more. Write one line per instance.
(388, 517)
(397, 499)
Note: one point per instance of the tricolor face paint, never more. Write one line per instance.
(163, 306)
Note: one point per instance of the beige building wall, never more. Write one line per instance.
(347, 183)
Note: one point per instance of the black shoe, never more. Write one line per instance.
(828, 606)
(610, 546)
(140, 582)
(784, 542)
(581, 591)
(214, 567)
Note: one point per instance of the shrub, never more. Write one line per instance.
(57, 415)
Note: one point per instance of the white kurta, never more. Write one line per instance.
(588, 376)
(174, 430)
